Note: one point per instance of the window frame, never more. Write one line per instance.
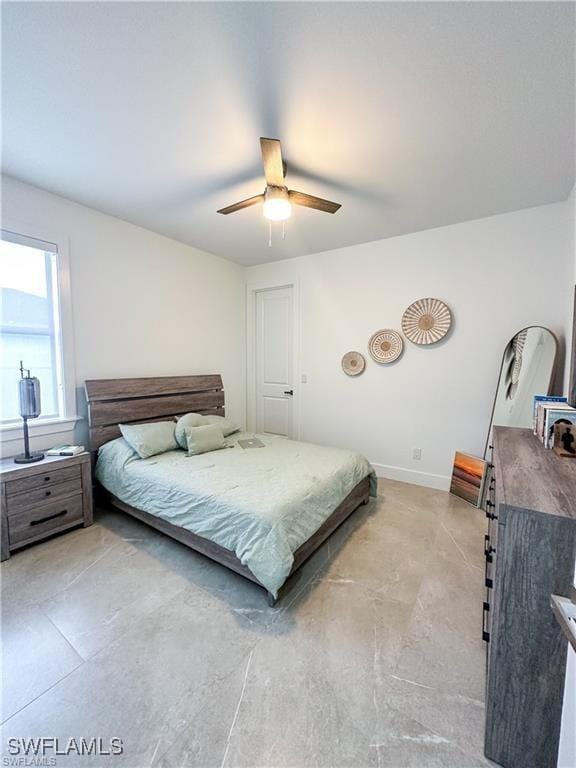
(64, 336)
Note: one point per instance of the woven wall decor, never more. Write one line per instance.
(353, 363)
(426, 321)
(385, 346)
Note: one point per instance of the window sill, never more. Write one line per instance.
(14, 433)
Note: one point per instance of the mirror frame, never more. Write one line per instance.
(553, 373)
(572, 374)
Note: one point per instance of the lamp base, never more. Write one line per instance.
(23, 459)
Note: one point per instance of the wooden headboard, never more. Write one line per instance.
(121, 401)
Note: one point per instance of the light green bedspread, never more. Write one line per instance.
(261, 503)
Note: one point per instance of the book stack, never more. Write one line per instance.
(65, 450)
(553, 418)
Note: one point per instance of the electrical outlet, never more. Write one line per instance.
(416, 454)
(304, 379)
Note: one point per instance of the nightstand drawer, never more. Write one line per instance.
(44, 518)
(43, 479)
(20, 502)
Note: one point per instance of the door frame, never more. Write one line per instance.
(251, 290)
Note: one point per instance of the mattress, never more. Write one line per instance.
(260, 503)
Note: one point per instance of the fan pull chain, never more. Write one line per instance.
(283, 230)
(269, 234)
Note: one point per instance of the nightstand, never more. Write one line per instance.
(39, 500)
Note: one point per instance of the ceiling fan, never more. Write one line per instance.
(277, 198)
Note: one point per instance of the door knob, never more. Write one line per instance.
(289, 392)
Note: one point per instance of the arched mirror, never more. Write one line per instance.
(528, 368)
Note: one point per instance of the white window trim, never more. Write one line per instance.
(11, 433)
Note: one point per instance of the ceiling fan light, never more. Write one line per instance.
(277, 206)
(277, 209)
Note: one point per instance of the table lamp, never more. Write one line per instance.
(29, 391)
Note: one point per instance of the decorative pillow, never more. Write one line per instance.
(150, 439)
(188, 420)
(226, 425)
(204, 439)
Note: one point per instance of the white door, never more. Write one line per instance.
(273, 355)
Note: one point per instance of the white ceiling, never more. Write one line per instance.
(412, 115)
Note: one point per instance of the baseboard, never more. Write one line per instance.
(427, 479)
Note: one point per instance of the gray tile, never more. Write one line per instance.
(402, 742)
(423, 500)
(457, 719)
(387, 554)
(146, 687)
(43, 570)
(443, 647)
(105, 600)
(35, 656)
(308, 697)
(204, 739)
(372, 656)
(462, 528)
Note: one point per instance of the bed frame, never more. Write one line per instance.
(121, 401)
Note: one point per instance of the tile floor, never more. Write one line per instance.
(372, 657)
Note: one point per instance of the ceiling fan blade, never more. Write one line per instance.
(242, 204)
(309, 201)
(272, 160)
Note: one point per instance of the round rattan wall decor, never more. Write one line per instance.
(353, 363)
(426, 321)
(385, 346)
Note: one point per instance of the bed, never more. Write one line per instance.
(260, 512)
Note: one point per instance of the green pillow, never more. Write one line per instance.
(188, 420)
(150, 439)
(226, 425)
(204, 439)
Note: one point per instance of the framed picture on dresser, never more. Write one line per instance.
(468, 478)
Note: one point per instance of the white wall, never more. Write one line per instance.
(567, 745)
(498, 275)
(143, 304)
(146, 305)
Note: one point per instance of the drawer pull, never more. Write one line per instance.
(487, 580)
(47, 479)
(48, 493)
(49, 517)
(485, 633)
(488, 548)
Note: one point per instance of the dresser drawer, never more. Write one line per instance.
(20, 502)
(43, 479)
(44, 519)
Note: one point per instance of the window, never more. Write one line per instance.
(30, 324)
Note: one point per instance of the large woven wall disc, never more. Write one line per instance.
(426, 321)
(385, 346)
(353, 363)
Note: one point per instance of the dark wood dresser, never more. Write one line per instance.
(44, 498)
(530, 551)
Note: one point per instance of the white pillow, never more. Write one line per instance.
(226, 425)
(188, 420)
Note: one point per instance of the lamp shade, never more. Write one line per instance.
(29, 391)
